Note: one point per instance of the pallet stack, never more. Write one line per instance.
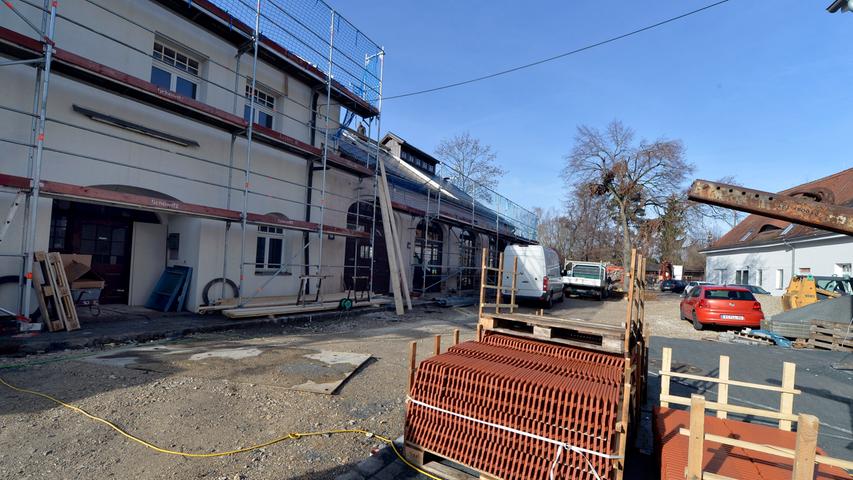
(532, 397)
(54, 293)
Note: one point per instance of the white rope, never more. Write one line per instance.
(560, 445)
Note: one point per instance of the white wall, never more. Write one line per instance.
(821, 257)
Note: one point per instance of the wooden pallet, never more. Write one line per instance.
(54, 293)
(830, 336)
(440, 466)
(568, 331)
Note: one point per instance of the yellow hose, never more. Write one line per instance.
(289, 436)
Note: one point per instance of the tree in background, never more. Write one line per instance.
(721, 214)
(632, 176)
(473, 165)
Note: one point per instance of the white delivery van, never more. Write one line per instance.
(538, 274)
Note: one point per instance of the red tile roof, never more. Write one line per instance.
(756, 230)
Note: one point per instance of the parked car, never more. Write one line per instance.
(674, 286)
(695, 283)
(721, 305)
(539, 276)
(752, 288)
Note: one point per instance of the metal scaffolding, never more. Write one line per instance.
(289, 31)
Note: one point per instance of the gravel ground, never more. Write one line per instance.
(183, 412)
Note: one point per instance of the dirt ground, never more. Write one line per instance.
(183, 409)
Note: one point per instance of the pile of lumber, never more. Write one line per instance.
(54, 292)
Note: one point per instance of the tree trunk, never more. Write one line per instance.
(626, 247)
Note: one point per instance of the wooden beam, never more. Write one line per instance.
(696, 444)
(437, 346)
(723, 387)
(456, 336)
(392, 256)
(786, 402)
(802, 211)
(666, 366)
(757, 412)
(395, 240)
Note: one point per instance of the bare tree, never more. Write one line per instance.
(632, 176)
(472, 164)
(721, 214)
(555, 231)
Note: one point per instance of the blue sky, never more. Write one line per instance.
(758, 90)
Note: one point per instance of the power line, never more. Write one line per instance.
(557, 57)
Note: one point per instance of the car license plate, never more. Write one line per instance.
(731, 317)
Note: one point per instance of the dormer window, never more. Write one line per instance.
(417, 162)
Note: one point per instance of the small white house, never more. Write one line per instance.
(766, 252)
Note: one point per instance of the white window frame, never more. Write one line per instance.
(269, 265)
(760, 278)
(189, 69)
(780, 278)
(265, 101)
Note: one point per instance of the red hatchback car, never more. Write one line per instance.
(731, 306)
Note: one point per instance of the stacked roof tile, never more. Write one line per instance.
(503, 405)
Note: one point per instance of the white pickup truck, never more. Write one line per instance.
(586, 278)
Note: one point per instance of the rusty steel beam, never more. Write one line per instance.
(799, 210)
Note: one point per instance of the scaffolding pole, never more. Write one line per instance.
(249, 132)
(376, 171)
(36, 174)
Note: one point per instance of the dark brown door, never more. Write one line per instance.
(102, 232)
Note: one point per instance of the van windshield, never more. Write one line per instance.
(729, 295)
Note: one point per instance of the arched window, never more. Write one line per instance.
(429, 248)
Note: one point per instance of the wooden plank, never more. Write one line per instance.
(771, 450)
(607, 345)
(629, 311)
(392, 257)
(609, 329)
(437, 345)
(500, 283)
(512, 305)
(666, 366)
(456, 336)
(482, 281)
(786, 402)
(695, 447)
(775, 415)
(395, 238)
(722, 387)
(736, 383)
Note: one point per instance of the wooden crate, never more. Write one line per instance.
(830, 336)
(440, 466)
(567, 331)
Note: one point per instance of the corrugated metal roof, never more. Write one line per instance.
(756, 230)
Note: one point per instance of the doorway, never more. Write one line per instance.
(103, 232)
(358, 252)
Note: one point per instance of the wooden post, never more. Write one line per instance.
(479, 332)
(665, 368)
(413, 356)
(695, 447)
(512, 305)
(456, 337)
(804, 452)
(437, 349)
(786, 402)
(483, 277)
(629, 313)
(723, 388)
(500, 283)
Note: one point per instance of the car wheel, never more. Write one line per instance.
(696, 324)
